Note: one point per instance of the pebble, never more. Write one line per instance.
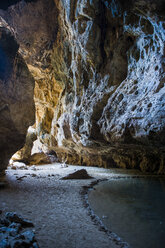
(33, 168)
(33, 175)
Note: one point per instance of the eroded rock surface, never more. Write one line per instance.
(99, 69)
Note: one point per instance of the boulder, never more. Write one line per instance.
(12, 233)
(80, 174)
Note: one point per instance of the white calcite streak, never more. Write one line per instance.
(142, 93)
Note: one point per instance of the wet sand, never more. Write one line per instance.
(56, 207)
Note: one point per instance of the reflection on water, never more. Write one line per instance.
(132, 208)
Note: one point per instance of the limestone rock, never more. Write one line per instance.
(12, 235)
(80, 174)
(24, 153)
(39, 158)
(14, 217)
(18, 165)
(16, 96)
(116, 102)
(99, 69)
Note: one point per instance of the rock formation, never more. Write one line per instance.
(99, 70)
(16, 96)
(79, 174)
(12, 233)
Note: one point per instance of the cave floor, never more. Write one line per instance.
(56, 206)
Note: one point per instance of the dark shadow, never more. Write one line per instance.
(8, 50)
(7, 3)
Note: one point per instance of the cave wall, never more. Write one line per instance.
(114, 114)
(99, 79)
(17, 109)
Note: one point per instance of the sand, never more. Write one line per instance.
(56, 207)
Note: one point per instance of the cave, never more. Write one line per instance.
(82, 123)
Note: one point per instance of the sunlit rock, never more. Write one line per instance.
(24, 153)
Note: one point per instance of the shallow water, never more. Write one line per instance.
(133, 208)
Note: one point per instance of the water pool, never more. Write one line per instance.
(133, 208)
